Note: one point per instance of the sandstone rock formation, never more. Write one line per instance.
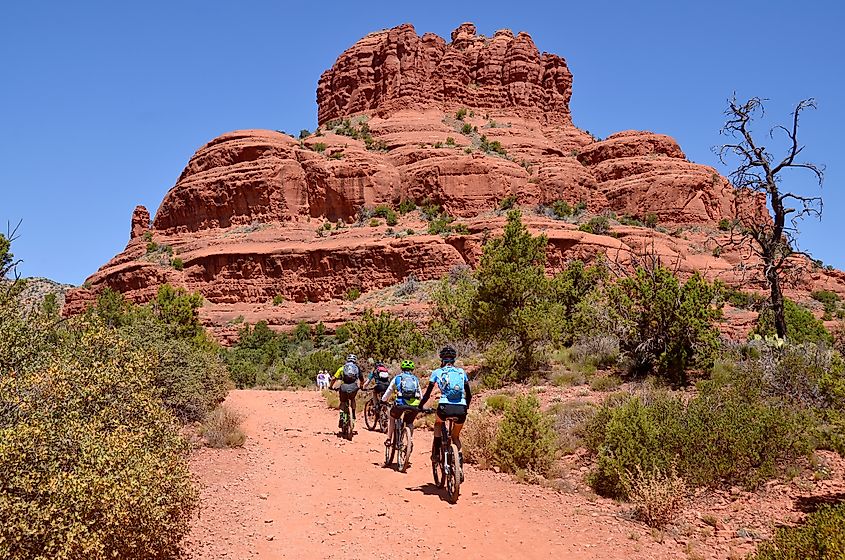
(257, 214)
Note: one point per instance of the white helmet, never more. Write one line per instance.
(352, 358)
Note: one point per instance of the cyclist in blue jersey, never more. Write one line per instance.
(408, 394)
(455, 396)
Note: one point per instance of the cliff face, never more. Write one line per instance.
(462, 124)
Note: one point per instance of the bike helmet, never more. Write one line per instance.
(448, 354)
(352, 358)
(407, 365)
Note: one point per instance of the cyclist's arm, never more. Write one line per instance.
(336, 376)
(428, 391)
(467, 392)
(387, 394)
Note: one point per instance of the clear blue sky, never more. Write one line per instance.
(103, 103)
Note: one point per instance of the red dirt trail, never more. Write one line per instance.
(296, 490)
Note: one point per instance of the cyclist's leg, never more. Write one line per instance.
(390, 427)
(435, 443)
(410, 414)
(352, 400)
(456, 434)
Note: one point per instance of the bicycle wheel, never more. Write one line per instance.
(453, 481)
(344, 423)
(389, 451)
(383, 419)
(405, 448)
(438, 472)
(370, 414)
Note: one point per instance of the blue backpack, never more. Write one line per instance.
(350, 372)
(451, 383)
(409, 386)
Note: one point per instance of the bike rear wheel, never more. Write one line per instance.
(383, 418)
(406, 446)
(370, 415)
(453, 482)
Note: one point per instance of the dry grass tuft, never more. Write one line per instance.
(479, 438)
(222, 428)
(658, 495)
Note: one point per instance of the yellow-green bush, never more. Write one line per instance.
(820, 538)
(526, 439)
(93, 465)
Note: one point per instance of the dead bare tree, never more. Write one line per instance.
(772, 235)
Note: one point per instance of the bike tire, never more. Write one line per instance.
(389, 452)
(383, 419)
(370, 415)
(350, 426)
(438, 472)
(406, 447)
(453, 484)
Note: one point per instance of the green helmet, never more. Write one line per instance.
(407, 365)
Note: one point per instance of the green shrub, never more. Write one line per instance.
(801, 325)
(820, 538)
(562, 209)
(440, 225)
(93, 466)
(508, 202)
(406, 206)
(714, 439)
(304, 133)
(651, 220)
(724, 224)
(526, 440)
(597, 225)
(671, 324)
(604, 383)
(466, 129)
(318, 147)
(450, 141)
(374, 222)
(462, 112)
(352, 294)
(598, 351)
(177, 263)
(384, 337)
(498, 403)
(278, 299)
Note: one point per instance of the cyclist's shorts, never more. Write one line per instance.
(410, 412)
(380, 388)
(348, 392)
(458, 411)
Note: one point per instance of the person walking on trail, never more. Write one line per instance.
(406, 386)
(455, 396)
(322, 380)
(351, 379)
(380, 376)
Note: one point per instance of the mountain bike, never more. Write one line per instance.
(447, 470)
(402, 444)
(347, 422)
(375, 414)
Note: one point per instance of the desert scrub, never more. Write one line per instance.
(715, 438)
(570, 420)
(222, 428)
(821, 537)
(597, 225)
(525, 440)
(478, 438)
(94, 466)
(658, 495)
(498, 403)
(352, 294)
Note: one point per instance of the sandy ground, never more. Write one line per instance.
(297, 490)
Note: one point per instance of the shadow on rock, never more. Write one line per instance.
(810, 504)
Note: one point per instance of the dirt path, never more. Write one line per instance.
(296, 490)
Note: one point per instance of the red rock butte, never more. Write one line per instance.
(254, 216)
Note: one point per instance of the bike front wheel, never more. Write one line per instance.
(383, 419)
(453, 482)
(405, 448)
(438, 472)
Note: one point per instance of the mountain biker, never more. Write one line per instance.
(351, 378)
(408, 393)
(455, 396)
(381, 377)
